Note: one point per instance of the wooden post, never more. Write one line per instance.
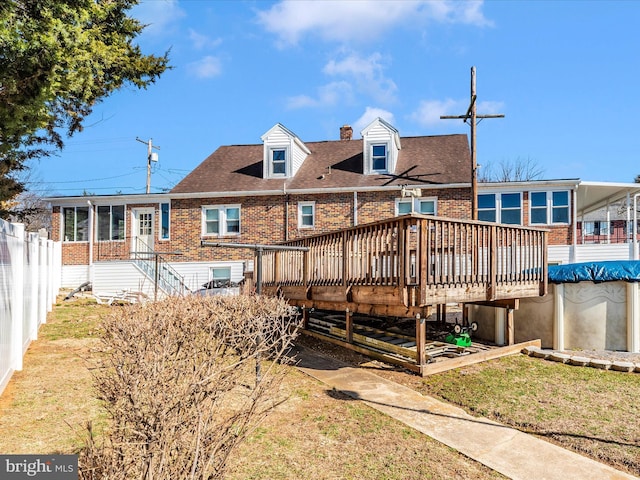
(305, 317)
(349, 325)
(421, 341)
(493, 263)
(510, 334)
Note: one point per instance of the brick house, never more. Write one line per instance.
(283, 188)
(277, 190)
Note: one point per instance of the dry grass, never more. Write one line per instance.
(321, 434)
(46, 405)
(315, 432)
(591, 411)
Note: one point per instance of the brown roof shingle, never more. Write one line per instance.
(427, 160)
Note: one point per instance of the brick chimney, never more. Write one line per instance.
(345, 132)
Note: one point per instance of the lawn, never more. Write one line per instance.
(322, 434)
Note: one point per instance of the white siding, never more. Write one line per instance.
(297, 157)
(559, 254)
(596, 252)
(378, 133)
(112, 277)
(74, 275)
(280, 137)
(603, 252)
(197, 273)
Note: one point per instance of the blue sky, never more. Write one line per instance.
(564, 73)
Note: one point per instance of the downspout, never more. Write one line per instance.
(608, 225)
(355, 209)
(90, 241)
(635, 226)
(286, 212)
(574, 194)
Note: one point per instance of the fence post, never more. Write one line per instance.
(33, 284)
(16, 254)
(42, 281)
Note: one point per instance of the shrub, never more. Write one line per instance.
(184, 381)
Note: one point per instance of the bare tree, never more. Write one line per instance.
(518, 170)
(178, 382)
(30, 206)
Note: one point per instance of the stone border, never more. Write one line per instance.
(552, 355)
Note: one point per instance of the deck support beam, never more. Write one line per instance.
(510, 334)
(348, 316)
(421, 342)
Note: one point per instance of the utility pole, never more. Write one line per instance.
(151, 157)
(473, 119)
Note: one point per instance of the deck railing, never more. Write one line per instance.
(424, 260)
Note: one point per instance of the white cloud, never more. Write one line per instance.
(370, 114)
(158, 15)
(206, 67)
(328, 95)
(490, 108)
(367, 73)
(361, 20)
(428, 112)
(200, 41)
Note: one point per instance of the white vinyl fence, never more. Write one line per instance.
(29, 283)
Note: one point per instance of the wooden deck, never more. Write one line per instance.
(400, 266)
(405, 266)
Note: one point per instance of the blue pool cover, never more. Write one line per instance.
(611, 271)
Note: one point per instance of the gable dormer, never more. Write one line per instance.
(283, 152)
(381, 143)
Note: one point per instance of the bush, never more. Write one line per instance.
(184, 381)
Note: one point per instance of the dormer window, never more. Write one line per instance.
(381, 146)
(279, 162)
(283, 153)
(379, 158)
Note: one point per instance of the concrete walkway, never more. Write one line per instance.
(512, 453)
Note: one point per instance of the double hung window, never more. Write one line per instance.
(379, 159)
(306, 215)
(221, 220)
(279, 162)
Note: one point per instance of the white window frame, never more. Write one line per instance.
(596, 228)
(272, 150)
(301, 215)
(223, 230)
(160, 236)
(499, 208)
(550, 207)
(63, 224)
(415, 204)
(110, 234)
(212, 271)
(386, 157)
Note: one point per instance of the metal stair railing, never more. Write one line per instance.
(154, 266)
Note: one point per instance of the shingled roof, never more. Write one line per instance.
(426, 160)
